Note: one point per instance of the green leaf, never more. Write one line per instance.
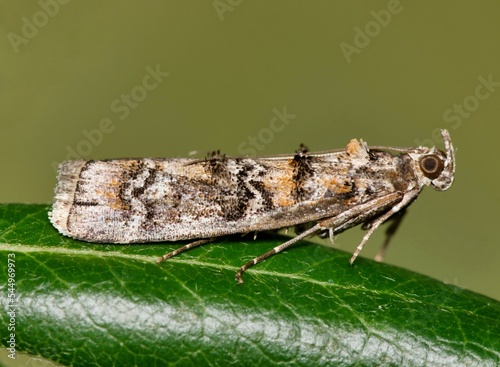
(87, 304)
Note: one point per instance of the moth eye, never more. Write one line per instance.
(431, 165)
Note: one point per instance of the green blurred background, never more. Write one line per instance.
(72, 83)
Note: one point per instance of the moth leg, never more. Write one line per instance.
(183, 249)
(366, 212)
(274, 251)
(407, 199)
(342, 221)
(389, 233)
(360, 213)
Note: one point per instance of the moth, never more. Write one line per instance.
(150, 200)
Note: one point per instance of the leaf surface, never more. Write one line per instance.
(85, 304)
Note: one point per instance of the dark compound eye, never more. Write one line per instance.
(431, 165)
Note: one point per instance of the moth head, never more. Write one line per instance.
(438, 166)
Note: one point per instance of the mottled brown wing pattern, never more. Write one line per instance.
(146, 200)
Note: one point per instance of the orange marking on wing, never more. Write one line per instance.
(281, 186)
(353, 147)
(111, 195)
(336, 186)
